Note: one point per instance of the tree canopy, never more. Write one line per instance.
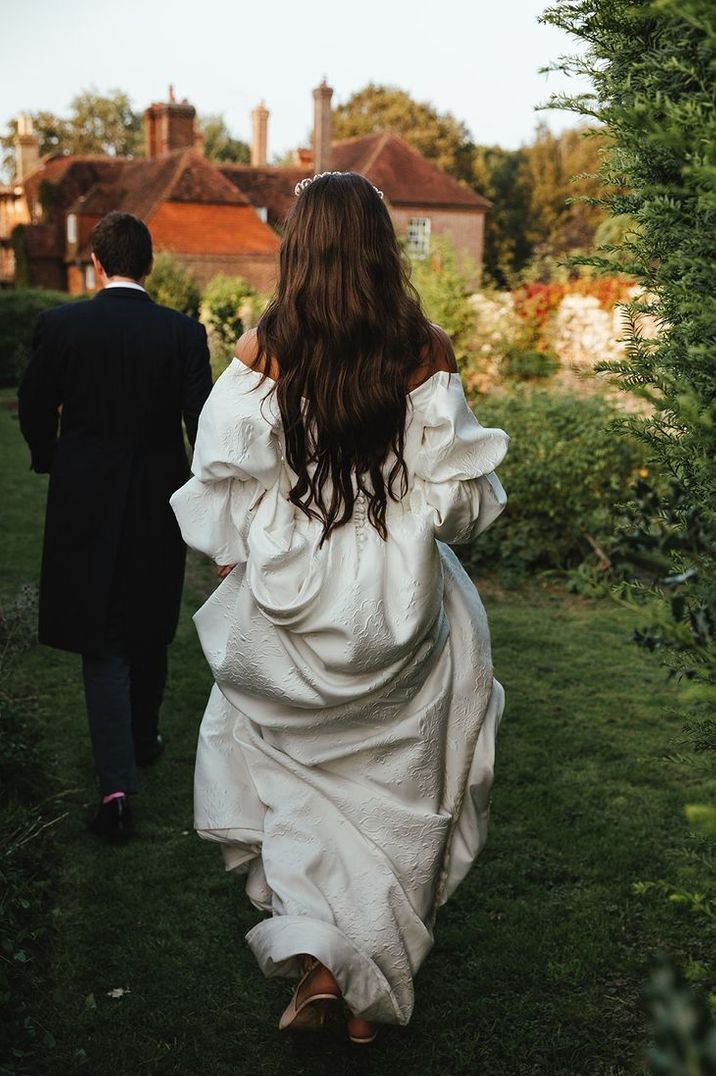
(97, 123)
(439, 136)
(220, 144)
(530, 188)
(105, 124)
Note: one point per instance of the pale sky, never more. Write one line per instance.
(478, 60)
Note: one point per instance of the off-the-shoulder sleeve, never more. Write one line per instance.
(455, 478)
(237, 457)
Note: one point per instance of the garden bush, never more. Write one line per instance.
(171, 284)
(19, 308)
(445, 283)
(521, 365)
(222, 307)
(652, 66)
(229, 305)
(565, 474)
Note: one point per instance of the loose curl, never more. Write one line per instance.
(347, 333)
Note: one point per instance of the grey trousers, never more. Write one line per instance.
(123, 692)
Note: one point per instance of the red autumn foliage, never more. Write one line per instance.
(535, 302)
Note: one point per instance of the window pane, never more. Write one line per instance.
(418, 237)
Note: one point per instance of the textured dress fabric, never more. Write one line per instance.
(346, 755)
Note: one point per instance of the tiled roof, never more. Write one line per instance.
(71, 177)
(270, 188)
(92, 186)
(192, 228)
(140, 185)
(403, 174)
(198, 180)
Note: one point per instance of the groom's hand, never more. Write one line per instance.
(222, 570)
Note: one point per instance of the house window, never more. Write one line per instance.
(89, 277)
(418, 237)
(72, 228)
(262, 212)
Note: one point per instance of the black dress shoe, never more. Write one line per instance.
(113, 820)
(147, 749)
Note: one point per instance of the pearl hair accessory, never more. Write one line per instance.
(303, 183)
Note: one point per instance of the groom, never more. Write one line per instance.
(101, 408)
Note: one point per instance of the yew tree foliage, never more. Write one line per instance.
(652, 66)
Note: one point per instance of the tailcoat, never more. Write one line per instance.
(101, 407)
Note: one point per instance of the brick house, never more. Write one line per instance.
(191, 209)
(216, 218)
(423, 201)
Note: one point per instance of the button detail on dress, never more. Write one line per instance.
(359, 517)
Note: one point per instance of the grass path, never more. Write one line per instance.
(540, 956)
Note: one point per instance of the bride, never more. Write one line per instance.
(345, 758)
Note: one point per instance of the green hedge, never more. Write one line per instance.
(565, 473)
(172, 284)
(19, 308)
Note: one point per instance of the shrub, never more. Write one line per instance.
(520, 365)
(19, 308)
(564, 475)
(651, 66)
(683, 1028)
(444, 283)
(222, 307)
(171, 284)
(228, 306)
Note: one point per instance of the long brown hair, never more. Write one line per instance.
(347, 332)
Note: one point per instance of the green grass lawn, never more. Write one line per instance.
(539, 958)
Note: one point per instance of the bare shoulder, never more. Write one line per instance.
(438, 356)
(247, 351)
(247, 348)
(444, 354)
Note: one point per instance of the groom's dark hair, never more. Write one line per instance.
(123, 245)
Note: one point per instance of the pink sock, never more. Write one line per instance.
(112, 796)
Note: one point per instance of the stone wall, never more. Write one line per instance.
(581, 332)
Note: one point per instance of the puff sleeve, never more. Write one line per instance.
(237, 458)
(455, 480)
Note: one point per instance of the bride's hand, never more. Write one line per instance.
(222, 570)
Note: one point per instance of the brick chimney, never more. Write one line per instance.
(27, 147)
(259, 136)
(322, 127)
(168, 126)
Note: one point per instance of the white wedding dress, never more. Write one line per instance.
(345, 758)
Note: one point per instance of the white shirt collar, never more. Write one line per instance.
(123, 284)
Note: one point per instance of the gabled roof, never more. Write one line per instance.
(72, 176)
(403, 174)
(198, 180)
(269, 188)
(140, 185)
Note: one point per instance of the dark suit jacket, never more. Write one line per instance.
(101, 408)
